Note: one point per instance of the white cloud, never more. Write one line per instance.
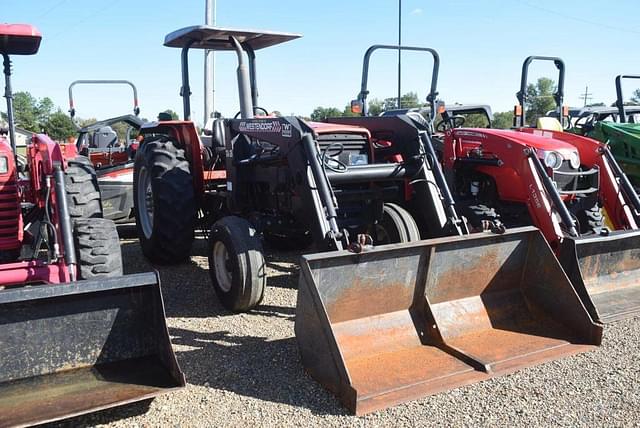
(417, 11)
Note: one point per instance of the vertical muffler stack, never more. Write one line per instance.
(407, 320)
(74, 348)
(605, 270)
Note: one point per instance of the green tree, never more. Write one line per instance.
(475, 120)
(25, 111)
(86, 122)
(540, 99)
(30, 113)
(174, 115)
(635, 97)
(59, 126)
(376, 107)
(321, 113)
(43, 109)
(408, 100)
(503, 120)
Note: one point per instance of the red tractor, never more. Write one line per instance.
(256, 176)
(111, 157)
(75, 334)
(568, 186)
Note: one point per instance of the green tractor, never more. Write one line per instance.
(619, 126)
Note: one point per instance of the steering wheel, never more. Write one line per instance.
(585, 123)
(458, 121)
(266, 113)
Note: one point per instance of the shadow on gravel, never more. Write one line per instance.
(268, 370)
(251, 366)
(103, 416)
(187, 289)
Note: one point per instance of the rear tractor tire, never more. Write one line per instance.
(164, 202)
(396, 226)
(236, 264)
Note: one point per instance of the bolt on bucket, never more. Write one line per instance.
(605, 271)
(74, 348)
(403, 321)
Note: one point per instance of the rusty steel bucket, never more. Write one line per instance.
(605, 271)
(407, 320)
(74, 348)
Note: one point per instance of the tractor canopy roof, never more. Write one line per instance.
(216, 38)
(19, 39)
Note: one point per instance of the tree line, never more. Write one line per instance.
(42, 116)
(539, 102)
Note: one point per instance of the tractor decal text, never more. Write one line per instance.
(471, 134)
(271, 126)
(534, 196)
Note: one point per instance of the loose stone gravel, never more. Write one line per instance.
(244, 370)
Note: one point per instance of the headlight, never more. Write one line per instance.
(553, 160)
(4, 165)
(574, 160)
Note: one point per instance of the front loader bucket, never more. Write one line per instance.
(75, 348)
(605, 271)
(407, 320)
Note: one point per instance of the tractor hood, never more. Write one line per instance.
(540, 140)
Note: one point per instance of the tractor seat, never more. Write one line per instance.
(104, 138)
(549, 124)
(218, 134)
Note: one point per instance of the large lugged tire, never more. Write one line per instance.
(590, 220)
(97, 248)
(396, 226)
(164, 202)
(236, 264)
(83, 193)
(480, 216)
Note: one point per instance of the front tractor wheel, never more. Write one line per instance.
(83, 193)
(97, 248)
(236, 264)
(397, 226)
(164, 202)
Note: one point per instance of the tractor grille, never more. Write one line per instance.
(350, 149)
(571, 181)
(9, 216)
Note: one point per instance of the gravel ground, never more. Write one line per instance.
(244, 370)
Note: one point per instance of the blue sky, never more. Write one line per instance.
(481, 43)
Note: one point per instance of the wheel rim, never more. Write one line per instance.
(145, 202)
(221, 266)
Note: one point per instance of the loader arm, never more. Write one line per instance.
(617, 195)
(518, 174)
(295, 142)
(411, 142)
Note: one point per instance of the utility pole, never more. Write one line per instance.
(209, 63)
(586, 96)
(399, 54)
